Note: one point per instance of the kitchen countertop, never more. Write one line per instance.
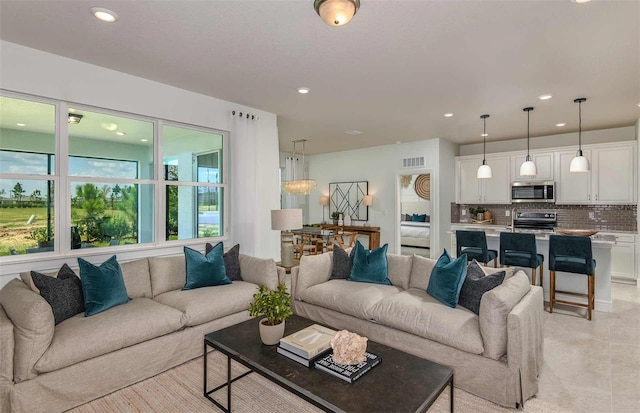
(542, 235)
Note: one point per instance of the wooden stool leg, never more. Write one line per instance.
(533, 276)
(590, 296)
(541, 273)
(552, 289)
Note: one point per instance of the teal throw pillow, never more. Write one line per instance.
(205, 270)
(369, 266)
(102, 286)
(447, 278)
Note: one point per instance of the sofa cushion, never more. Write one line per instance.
(495, 307)
(399, 269)
(259, 271)
(476, 284)
(417, 312)
(314, 269)
(370, 266)
(342, 262)
(447, 278)
(231, 261)
(355, 299)
(421, 268)
(102, 286)
(205, 270)
(63, 293)
(81, 338)
(137, 278)
(201, 305)
(167, 274)
(32, 318)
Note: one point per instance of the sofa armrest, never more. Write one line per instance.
(259, 271)
(525, 324)
(282, 275)
(6, 348)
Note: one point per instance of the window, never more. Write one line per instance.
(103, 177)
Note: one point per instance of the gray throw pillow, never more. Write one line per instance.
(342, 263)
(63, 293)
(476, 284)
(231, 261)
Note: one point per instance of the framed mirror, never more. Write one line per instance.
(346, 197)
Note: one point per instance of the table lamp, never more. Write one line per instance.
(324, 201)
(286, 220)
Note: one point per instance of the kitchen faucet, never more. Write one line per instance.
(513, 218)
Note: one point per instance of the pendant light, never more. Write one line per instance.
(484, 171)
(579, 163)
(528, 168)
(298, 186)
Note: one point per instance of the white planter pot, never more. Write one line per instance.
(271, 335)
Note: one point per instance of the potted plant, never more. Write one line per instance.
(275, 305)
(41, 236)
(335, 215)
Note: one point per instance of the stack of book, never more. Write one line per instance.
(307, 345)
(348, 373)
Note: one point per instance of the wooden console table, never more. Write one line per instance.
(372, 232)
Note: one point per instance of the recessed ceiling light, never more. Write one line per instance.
(120, 133)
(103, 14)
(638, 105)
(398, 142)
(581, 1)
(560, 124)
(545, 97)
(144, 140)
(448, 115)
(21, 124)
(353, 132)
(484, 135)
(303, 90)
(110, 126)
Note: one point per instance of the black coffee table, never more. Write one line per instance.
(401, 383)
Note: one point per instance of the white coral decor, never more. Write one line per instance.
(348, 348)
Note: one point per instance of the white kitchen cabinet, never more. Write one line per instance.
(544, 165)
(611, 179)
(471, 190)
(623, 257)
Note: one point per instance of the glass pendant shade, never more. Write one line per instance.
(336, 12)
(484, 171)
(528, 167)
(579, 163)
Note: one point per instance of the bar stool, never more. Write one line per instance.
(572, 254)
(520, 249)
(474, 244)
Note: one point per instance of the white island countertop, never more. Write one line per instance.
(495, 230)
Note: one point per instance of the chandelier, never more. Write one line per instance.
(298, 186)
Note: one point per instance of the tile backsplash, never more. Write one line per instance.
(598, 217)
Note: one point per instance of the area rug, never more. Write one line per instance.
(180, 390)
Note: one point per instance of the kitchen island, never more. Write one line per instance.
(601, 246)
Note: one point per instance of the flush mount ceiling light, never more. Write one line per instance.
(336, 12)
(484, 171)
(298, 186)
(579, 163)
(103, 14)
(528, 168)
(74, 118)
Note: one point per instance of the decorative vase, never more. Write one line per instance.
(340, 221)
(347, 220)
(271, 335)
(488, 215)
(480, 216)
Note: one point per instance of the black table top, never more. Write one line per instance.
(400, 383)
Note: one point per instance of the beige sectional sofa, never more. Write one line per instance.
(51, 368)
(495, 355)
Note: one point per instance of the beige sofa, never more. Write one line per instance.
(495, 355)
(47, 368)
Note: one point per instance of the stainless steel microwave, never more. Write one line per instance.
(533, 191)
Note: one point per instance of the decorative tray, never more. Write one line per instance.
(484, 221)
(578, 232)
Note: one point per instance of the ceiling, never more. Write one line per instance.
(392, 72)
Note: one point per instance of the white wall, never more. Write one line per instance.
(380, 166)
(30, 71)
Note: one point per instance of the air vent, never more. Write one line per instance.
(413, 162)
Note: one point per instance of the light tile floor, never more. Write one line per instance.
(594, 366)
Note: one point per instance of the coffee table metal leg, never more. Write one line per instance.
(229, 383)
(451, 387)
(208, 393)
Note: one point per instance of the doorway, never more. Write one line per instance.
(415, 208)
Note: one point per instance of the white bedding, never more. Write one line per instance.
(415, 234)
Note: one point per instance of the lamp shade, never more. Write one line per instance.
(286, 219)
(324, 200)
(528, 168)
(484, 171)
(336, 12)
(367, 200)
(579, 164)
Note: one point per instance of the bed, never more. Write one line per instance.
(414, 233)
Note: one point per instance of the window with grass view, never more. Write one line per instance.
(108, 192)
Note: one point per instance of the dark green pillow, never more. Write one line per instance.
(447, 278)
(369, 266)
(102, 287)
(205, 270)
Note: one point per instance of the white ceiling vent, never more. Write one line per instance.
(413, 162)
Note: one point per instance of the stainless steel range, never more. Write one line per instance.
(542, 220)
